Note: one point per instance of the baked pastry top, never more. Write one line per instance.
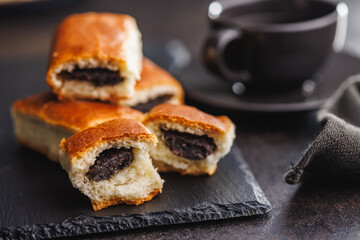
(153, 75)
(190, 116)
(121, 128)
(156, 86)
(73, 115)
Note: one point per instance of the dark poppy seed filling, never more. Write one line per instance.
(188, 145)
(145, 107)
(96, 76)
(109, 162)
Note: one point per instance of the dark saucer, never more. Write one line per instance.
(205, 88)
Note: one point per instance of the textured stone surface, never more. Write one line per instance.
(83, 225)
(231, 192)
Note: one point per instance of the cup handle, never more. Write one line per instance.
(213, 54)
(341, 27)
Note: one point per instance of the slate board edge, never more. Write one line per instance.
(84, 225)
(207, 211)
(259, 194)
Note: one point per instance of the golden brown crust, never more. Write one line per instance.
(104, 204)
(153, 75)
(189, 116)
(120, 128)
(163, 167)
(73, 40)
(73, 115)
(33, 104)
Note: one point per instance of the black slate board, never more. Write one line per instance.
(38, 201)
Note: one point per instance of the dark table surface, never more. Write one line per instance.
(270, 143)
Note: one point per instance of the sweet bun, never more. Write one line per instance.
(95, 56)
(110, 163)
(190, 141)
(155, 86)
(41, 121)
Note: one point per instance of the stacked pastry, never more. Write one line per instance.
(98, 56)
(91, 121)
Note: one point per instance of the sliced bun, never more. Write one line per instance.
(133, 184)
(190, 141)
(111, 42)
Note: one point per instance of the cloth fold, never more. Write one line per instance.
(336, 151)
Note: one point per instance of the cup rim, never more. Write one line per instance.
(307, 25)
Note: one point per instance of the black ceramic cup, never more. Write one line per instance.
(270, 43)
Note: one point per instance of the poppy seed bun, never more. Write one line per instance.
(189, 121)
(41, 121)
(134, 184)
(96, 40)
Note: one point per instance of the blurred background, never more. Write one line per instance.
(26, 28)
